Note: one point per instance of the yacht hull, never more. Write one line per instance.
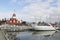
(44, 28)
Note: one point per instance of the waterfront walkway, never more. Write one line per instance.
(2, 37)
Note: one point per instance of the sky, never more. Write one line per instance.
(31, 10)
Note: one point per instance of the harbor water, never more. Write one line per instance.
(38, 35)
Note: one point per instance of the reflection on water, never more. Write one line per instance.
(39, 35)
(44, 33)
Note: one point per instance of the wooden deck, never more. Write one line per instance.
(2, 36)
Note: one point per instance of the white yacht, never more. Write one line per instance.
(43, 26)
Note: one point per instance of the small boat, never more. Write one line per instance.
(43, 26)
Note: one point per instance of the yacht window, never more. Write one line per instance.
(43, 24)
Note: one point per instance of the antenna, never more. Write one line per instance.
(14, 15)
(14, 11)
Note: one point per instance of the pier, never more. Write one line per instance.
(2, 36)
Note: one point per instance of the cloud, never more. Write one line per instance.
(39, 8)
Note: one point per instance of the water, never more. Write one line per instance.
(39, 35)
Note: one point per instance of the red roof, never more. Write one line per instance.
(14, 14)
(13, 21)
